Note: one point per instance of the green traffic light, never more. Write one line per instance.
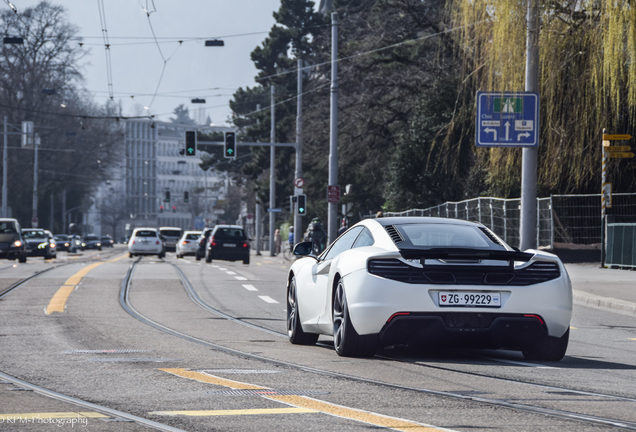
(230, 151)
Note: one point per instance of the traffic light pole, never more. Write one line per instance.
(332, 227)
(272, 178)
(298, 220)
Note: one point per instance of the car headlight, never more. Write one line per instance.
(99, 244)
(52, 245)
(16, 243)
(83, 244)
(66, 245)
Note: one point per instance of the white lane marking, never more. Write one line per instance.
(222, 269)
(241, 278)
(250, 287)
(267, 299)
(230, 272)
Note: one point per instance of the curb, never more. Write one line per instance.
(622, 307)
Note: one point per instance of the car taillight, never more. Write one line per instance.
(186, 242)
(244, 245)
(212, 242)
(157, 241)
(133, 241)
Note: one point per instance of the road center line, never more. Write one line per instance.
(311, 404)
(250, 287)
(267, 299)
(58, 302)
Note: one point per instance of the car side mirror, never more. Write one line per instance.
(303, 249)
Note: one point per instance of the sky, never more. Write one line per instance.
(147, 77)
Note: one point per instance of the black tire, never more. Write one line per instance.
(23, 258)
(246, 261)
(130, 255)
(100, 249)
(197, 256)
(295, 332)
(549, 349)
(161, 255)
(346, 341)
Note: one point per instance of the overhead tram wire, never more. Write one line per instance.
(109, 69)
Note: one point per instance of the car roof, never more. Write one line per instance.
(170, 228)
(229, 226)
(144, 228)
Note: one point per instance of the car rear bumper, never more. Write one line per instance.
(464, 329)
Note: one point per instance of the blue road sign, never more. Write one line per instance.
(507, 119)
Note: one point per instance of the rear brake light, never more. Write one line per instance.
(157, 241)
(535, 316)
(398, 314)
(244, 245)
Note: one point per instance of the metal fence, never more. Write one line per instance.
(574, 219)
(621, 245)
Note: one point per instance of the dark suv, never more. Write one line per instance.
(12, 246)
(202, 243)
(228, 243)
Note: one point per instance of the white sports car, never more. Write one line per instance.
(423, 281)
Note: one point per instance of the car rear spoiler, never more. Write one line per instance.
(465, 254)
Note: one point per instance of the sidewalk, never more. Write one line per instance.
(613, 290)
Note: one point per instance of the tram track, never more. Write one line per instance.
(568, 415)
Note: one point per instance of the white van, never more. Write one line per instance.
(171, 236)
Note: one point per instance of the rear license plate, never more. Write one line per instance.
(465, 298)
(229, 245)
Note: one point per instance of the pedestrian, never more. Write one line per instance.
(290, 238)
(277, 241)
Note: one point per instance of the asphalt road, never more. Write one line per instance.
(65, 330)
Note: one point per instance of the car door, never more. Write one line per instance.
(317, 299)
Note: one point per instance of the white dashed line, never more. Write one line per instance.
(241, 278)
(250, 287)
(267, 299)
(230, 272)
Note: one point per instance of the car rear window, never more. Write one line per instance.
(171, 233)
(229, 234)
(91, 238)
(445, 235)
(146, 233)
(192, 236)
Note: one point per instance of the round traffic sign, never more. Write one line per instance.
(299, 182)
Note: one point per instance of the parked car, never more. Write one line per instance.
(429, 281)
(171, 236)
(202, 243)
(187, 244)
(145, 241)
(107, 241)
(228, 243)
(38, 243)
(91, 241)
(12, 246)
(62, 242)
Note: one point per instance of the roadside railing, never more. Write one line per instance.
(571, 219)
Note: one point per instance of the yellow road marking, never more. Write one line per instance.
(311, 404)
(58, 302)
(33, 416)
(631, 338)
(574, 328)
(236, 412)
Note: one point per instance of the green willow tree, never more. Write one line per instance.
(587, 83)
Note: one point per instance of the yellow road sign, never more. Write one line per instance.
(616, 137)
(614, 149)
(621, 155)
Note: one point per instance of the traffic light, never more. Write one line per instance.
(191, 143)
(174, 209)
(167, 198)
(160, 209)
(230, 145)
(186, 196)
(302, 205)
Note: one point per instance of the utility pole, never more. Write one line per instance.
(528, 235)
(34, 220)
(299, 151)
(272, 178)
(5, 163)
(332, 227)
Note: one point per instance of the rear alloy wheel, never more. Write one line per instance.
(346, 341)
(549, 349)
(295, 331)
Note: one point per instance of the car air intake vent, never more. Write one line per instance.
(394, 233)
(396, 270)
(490, 235)
(536, 272)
